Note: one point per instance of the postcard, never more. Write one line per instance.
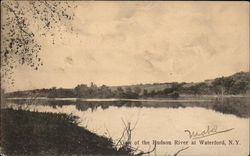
(124, 78)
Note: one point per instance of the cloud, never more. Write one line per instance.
(141, 42)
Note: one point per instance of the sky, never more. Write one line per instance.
(122, 43)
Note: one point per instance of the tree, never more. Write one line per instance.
(119, 92)
(130, 94)
(81, 90)
(200, 88)
(219, 85)
(137, 90)
(145, 92)
(240, 87)
(128, 90)
(152, 93)
(228, 84)
(105, 92)
(93, 89)
(22, 23)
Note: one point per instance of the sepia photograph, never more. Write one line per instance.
(124, 78)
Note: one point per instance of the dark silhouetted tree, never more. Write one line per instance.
(22, 24)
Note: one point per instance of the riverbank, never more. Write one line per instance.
(34, 133)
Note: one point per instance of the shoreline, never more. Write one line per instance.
(36, 133)
(135, 99)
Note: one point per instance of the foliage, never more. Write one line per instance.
(23, 23)
(235, 84)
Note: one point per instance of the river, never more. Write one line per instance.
(166, 121)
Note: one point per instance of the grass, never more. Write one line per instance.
(33, 133)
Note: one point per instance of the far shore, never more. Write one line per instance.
(183, 96)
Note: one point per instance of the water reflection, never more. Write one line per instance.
(157, 120)
(235, 106)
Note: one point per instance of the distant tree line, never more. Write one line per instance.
(232, 85)
(92, 91)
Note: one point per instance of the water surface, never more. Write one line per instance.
(161, 120)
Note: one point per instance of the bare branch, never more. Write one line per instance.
(142, 153)
(180, 151)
